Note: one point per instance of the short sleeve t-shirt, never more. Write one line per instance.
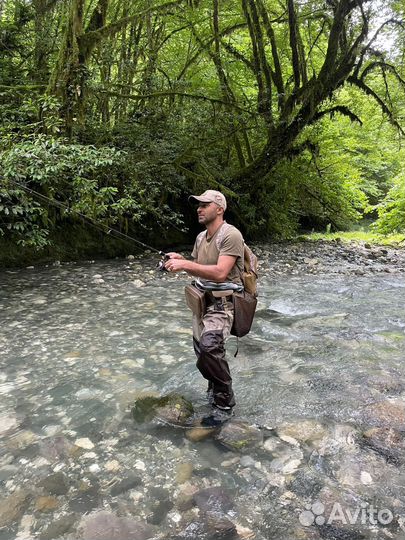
(226, 240)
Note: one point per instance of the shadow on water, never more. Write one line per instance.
(321, 377)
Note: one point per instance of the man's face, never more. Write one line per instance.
(207, 212)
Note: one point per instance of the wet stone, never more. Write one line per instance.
(214, 499)
(219, 527)
(13, 507)
(173, 409)
(331, 532)
(387, 442)
(305, 484)
(240, 436)
(107, 526)
(386, 414)
(55, 484)
(46, 504)
(125, 485)
(85, 500)
(59, 528)
(198, 434)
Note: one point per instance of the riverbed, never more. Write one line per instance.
(320, 379)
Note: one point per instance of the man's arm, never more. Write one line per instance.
(213, 272)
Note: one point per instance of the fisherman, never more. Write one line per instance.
(218, 257)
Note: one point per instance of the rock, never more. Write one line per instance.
(305, 484)
(87, 498)
(13, 507)
(305, 431)
(130, 257)
(197, 434)
(59, 528)
(387, 413)
(20, 440)
(46, 504)
(84, 443)
(213, 499)
(112, 466)
(219, 527)
(183, 472)
(237, 435)
(247, 461)
(161, 505)
(7, 422)
(56, 448)
(125, 485)
(138, 283)
(172, 409)
(387, 442)
(107, 526)
(55, 484)
(366, 478)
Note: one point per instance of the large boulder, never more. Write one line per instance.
(170, 409)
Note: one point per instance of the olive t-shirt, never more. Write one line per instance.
(226, 240)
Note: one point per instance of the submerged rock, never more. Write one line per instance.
(172, 409)
(389, 413)
(107, 526)
(13, 507)
(213, 499)
(306, 431)
(237, 435)
(59, 527)
(55, 484)
(125, 485)
(387, 442)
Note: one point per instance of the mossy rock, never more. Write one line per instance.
(239, 436)
(171, 409)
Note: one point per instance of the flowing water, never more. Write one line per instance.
(77, 349)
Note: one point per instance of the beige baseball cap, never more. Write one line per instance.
(211, 196)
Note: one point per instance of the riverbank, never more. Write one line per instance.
(331, 257)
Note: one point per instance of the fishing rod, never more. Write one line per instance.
(99, 226)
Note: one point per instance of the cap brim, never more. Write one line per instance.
(199, 198)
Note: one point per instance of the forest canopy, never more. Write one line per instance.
(118, 110)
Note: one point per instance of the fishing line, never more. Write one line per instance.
(99, 226)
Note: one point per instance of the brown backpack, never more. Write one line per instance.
(249, 275)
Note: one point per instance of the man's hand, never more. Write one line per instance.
(174, 255)
(176, 264)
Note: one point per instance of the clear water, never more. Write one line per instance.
(75, 352)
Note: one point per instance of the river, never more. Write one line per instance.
(321, 377)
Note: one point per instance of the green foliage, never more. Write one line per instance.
(391, 211)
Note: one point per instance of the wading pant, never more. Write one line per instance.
(209, 336)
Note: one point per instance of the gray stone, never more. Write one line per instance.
(125, 485)
(59, 527)
(55, 484)
(237, 435)
(388, 442)
(107, 526)
(13, 507)
(213, 499)
(171, 409)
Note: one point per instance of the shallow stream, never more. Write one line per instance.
(323, 364)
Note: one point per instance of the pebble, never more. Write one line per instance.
(112, 466)
(183, 472)
(7, 422)
(366, 478)
(140, 465)
(247, 461)
(84, 443)
(95, 468)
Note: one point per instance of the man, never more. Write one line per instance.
(217, 256)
